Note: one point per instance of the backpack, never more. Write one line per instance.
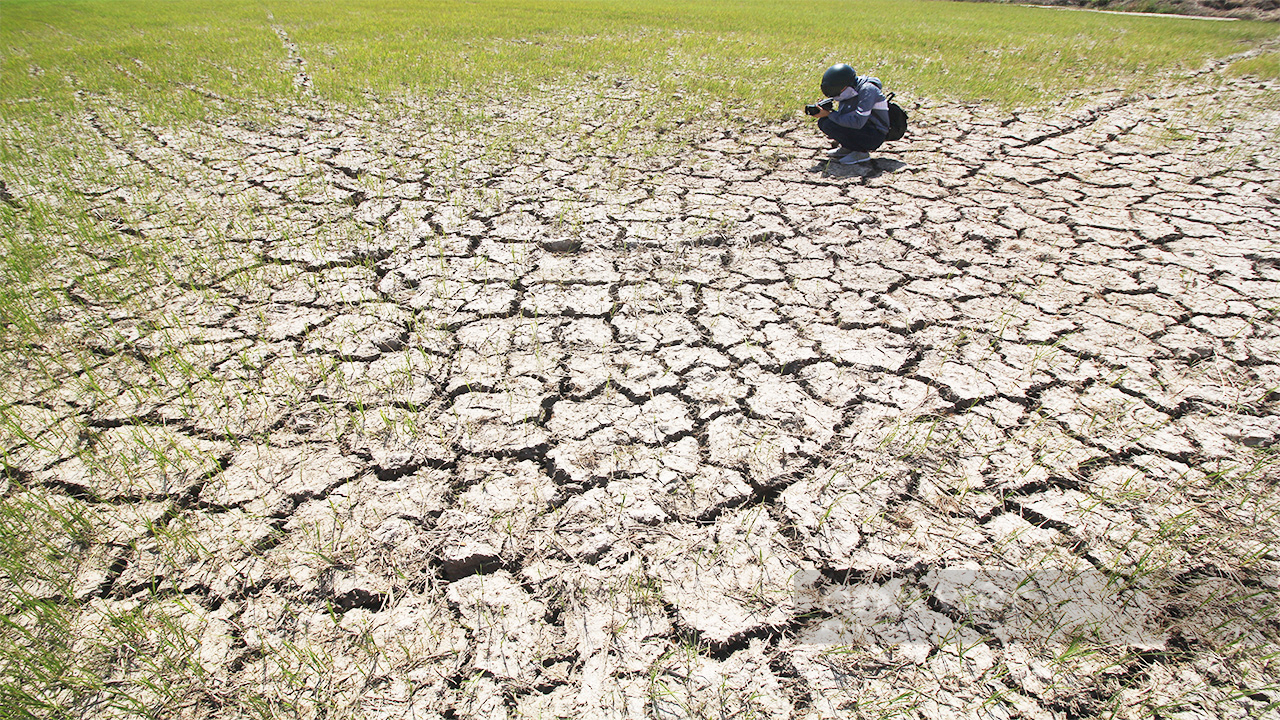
(897, 121)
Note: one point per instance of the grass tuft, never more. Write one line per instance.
(1263, 67)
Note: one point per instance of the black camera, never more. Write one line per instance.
(819, 107)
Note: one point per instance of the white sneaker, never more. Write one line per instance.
(854, 157)
(838, 151)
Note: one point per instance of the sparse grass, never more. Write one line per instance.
(1264, 67)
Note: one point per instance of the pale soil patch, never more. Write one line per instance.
(532, 419)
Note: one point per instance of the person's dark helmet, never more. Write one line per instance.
(837, 78)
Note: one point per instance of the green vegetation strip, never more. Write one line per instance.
(758, 56)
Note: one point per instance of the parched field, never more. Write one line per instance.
(360, 412)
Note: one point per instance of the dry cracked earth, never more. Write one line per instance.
(550, 417)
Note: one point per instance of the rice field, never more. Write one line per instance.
(532, 359)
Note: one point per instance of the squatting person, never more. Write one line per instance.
(860, 122)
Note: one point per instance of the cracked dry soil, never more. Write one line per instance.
(594, 430)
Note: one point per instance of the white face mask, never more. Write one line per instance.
(847, 93)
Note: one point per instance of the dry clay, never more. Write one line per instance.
(534, 419)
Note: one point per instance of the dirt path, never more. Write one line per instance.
(423, 427)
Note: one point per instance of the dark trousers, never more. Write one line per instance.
(865, 138)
